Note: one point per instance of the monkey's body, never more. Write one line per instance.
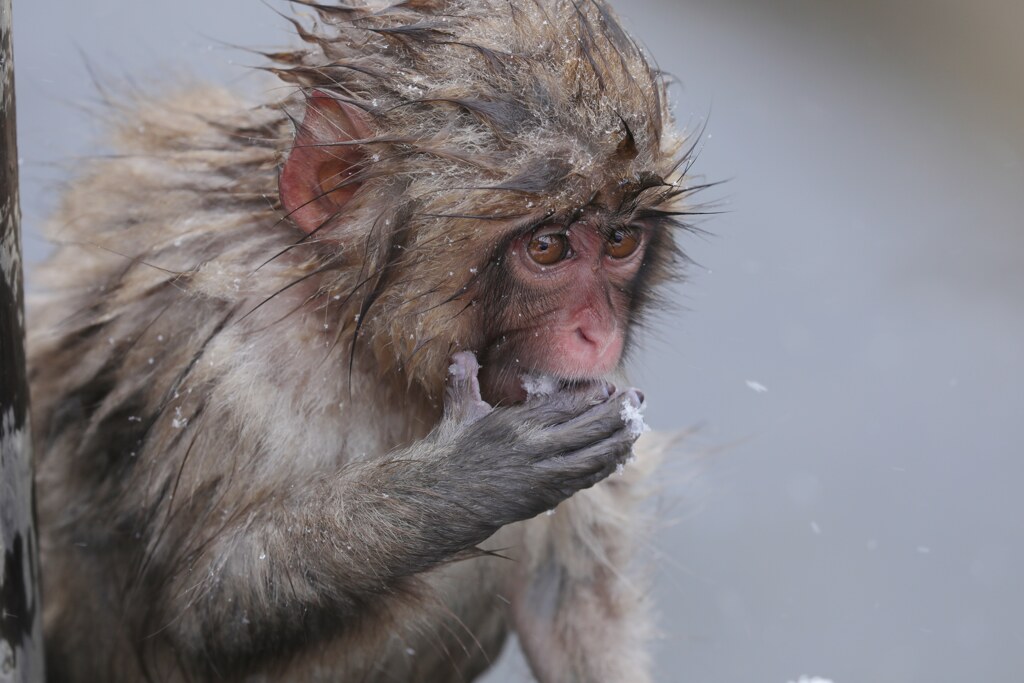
(251, 463)
(447, 624)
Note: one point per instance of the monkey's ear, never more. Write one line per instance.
(317, 179)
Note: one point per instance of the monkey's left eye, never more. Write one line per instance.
(549, 249)
(622, 242)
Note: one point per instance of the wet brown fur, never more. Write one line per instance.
(199, 366)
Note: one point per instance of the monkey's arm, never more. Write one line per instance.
(288, 567)
(581, 609)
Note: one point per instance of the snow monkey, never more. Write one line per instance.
(308, 374)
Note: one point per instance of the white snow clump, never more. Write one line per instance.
(632, 415)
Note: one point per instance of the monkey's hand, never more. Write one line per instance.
(501, 465)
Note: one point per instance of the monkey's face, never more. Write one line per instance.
(563, 296)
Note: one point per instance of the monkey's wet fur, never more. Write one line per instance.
(278, 363)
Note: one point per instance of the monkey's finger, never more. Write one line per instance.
(594, 424)
(588, 466)
(565, 405)
(463, 401)
(625, 405)
(595, 391)
(616, 467)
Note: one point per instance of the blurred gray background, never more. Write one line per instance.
(860, 520)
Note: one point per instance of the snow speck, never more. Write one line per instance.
(159, 337)
(263, 556)
(756, 387)
(811, 679)
(815, 528)
(409, 651)
(923, 549)
(150, 361)
(178, 422)
(550, 512)
(632, 415)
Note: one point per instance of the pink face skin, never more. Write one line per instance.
(579, 278)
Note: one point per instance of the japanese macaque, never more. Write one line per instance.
(265, 451)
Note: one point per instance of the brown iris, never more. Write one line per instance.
(622, 242)
(549, 249)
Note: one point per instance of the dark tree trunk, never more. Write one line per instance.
(21, 645)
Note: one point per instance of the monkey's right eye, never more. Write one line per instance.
(547, 250)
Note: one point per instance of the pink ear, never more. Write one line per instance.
(315, 182)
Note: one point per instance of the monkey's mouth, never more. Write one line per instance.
(511, 385)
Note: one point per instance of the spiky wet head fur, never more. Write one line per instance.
(488, 118)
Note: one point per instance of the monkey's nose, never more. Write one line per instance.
(594, 348)
(587, 339)
(597, 336)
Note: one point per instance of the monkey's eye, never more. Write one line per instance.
(622, 242)
(549, 249)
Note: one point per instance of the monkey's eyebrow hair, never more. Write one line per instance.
(534, 222)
